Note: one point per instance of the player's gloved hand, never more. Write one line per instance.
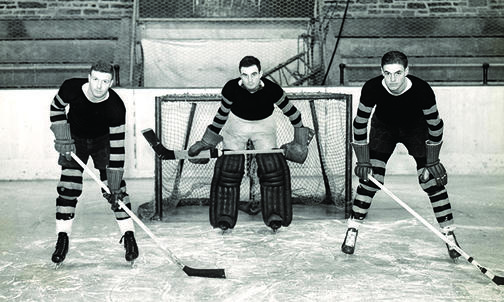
(114, 178)
(297, 150)
(209, 141)
(434, 165)
(63, 143)
(113, 198)
(363, 166)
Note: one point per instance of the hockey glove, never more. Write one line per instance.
(209, 141)
(363, 166)
(63, 143)
(114, 178)
(297, 150)
(434, 166)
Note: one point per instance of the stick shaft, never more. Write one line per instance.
(249, 152)
(485, 271)
(184, 154)
(417, 216)
(172, 257)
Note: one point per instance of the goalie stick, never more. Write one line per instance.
(194, 272)
(167, 154)
(499, 280)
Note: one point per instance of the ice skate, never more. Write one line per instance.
(130, 246)
(224, 226)
(275, 222)
(61, 249)
(451, 251)
(348, 246)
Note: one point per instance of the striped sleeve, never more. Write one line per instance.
(290, 111)
(117, 149)
(221, 116)
(57, 110)
(434, 123)
(360, 123)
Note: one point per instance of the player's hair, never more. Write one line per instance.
(248, 61)
(394, 57)
(102, 66)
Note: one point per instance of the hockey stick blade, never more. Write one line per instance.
(208, 273)
(496, 279)
(167, 154)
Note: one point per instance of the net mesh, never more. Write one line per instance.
(320, 179)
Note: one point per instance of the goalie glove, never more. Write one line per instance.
(63, 143)
(209, 141)
(434, 165)
(363, 166)
(297, 150)
(114, 178)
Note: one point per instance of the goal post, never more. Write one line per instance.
(324, 178)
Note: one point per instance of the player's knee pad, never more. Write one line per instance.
(225, 191)
(274, 176)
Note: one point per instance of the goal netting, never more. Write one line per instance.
(324, 178)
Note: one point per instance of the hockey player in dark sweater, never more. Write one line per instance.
(246, 115)
(94, 126)
(405, 111)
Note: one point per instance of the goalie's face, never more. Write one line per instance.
(251, 77)
(99, 83)
(395, 77)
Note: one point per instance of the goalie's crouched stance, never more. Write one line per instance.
(274, 177)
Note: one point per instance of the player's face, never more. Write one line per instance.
(99, 83)
(251, 77)
(395, 77)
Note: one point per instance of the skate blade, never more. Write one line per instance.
(225, 232)
(132, 264)
(57, 265)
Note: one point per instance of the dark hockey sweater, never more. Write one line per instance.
(92, 120)
(414, 108)
(253, 106)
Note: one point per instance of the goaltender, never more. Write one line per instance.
(246, 111)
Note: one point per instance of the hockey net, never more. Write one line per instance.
(324, 178)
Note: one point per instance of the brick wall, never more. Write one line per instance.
(417, 8)
(65, 8)
(357, 8)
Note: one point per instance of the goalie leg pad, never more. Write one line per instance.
(225, 191)
(274, 176)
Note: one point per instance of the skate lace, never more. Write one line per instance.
(61, 242)
(451, 237)
(128, 241)
(351, 237)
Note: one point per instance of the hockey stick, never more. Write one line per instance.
(168, 154)
(319, 149)
(195, 272)
(174, 195)
(499, 280)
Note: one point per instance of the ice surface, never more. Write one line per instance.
(396, 258)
